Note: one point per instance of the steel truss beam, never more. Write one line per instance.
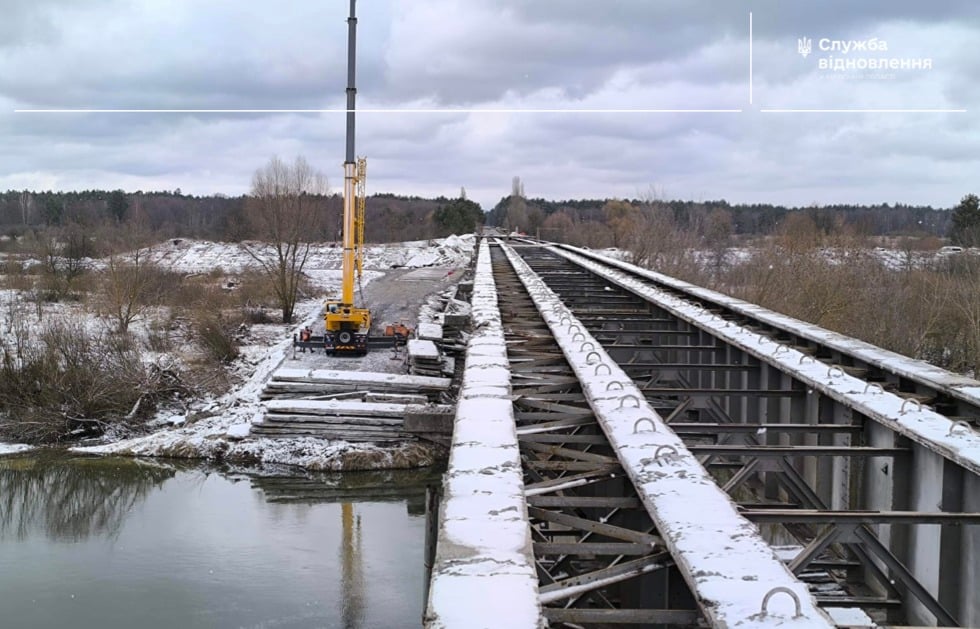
(844, 530)
(595, 548)
(817, 516)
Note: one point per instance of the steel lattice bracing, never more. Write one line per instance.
(799, 461)
(598, 555)
(864, 480)
(732, 574)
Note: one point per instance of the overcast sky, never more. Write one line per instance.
(498, 54)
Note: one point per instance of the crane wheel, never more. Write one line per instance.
(345, 337)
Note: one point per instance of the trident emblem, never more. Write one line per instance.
(804, 46)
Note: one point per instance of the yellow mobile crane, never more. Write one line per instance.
(347, 326)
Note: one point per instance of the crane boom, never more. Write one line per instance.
(347, 326)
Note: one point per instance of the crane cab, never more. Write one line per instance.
(346, 328)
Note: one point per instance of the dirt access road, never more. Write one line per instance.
(394, 298)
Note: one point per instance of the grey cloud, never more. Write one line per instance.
(36, 21)
(500, 53)
(218, 54)
(576, 45)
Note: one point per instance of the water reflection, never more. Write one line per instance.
(349, 488)
(69, 499)
(352, 580)
(180, 544)
(320, 487)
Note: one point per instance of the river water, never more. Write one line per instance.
(107, 543)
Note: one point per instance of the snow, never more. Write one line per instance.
(918, 423)
(723, 557)
(238, 431)
(850, 617)
(198, 256)
(484, 568)
(418, 348)
(361, 378)
(337, 407)
(215, 428)
(431, 331)
(13, 448)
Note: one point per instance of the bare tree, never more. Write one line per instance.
(285, 210)
(719, 227)
(127, 278)
(63, 252)
(129, 274)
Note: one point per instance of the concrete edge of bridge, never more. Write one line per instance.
(484, 572)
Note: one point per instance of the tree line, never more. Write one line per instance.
(218, 217)
(605, 222)
(391, 217)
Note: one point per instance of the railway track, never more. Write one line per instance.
(655, 420)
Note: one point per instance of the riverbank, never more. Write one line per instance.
(217, 428)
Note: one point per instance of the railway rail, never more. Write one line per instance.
(674, 442)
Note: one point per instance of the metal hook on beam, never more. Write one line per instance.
(636, 425)
(628, 396)
(877, 387)
(670, 456)
(781, 590)
(918, 405)
(959, 424)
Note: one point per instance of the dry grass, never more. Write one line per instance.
(61, 383)
(66, 382)
(930, 312)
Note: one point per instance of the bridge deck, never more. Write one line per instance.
(484, 553)
(902, 414)
(728, 566)
(864, 465)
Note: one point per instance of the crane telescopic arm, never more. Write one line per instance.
(350, 165)
(347, 326)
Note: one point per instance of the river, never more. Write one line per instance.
(107, 543)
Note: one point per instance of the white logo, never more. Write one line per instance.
(804, 46)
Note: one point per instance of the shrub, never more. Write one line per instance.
(67, 383)
(255, 314)
(216, 337)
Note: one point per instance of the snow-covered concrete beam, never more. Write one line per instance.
(910, 419)
(956, 385)
(736, 577)
(483, 575)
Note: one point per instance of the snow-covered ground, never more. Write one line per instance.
(13, 448)
(214, 427)
(187, 255)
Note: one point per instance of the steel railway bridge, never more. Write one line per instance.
(629, 449)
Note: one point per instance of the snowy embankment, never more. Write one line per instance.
(216, 428)
(196, 256)
(13, 448)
